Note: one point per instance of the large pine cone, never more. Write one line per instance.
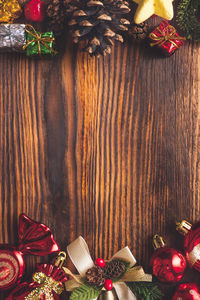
(114, 269)
(95, 276)
(98, 22)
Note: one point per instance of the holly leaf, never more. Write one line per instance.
(145, 290)
(85, 292)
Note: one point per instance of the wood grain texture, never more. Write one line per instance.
(105, 148)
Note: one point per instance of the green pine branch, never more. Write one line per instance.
(85, 292)
(187, 18)
(145, 290)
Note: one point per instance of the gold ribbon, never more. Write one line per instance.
(47, 285)
(165, 36)
(37, 38)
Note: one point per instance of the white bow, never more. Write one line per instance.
(79, 254)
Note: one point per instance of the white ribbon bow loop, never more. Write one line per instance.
(79, 254)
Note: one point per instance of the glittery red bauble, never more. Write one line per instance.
(35, 10)
(187, 291)
(168, 264)
(108, 284)
(192, 246)
(100, 262)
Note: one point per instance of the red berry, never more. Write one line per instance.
(35, 10)
(108, 284)
(100, 262)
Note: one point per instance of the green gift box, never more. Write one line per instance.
(39, 43)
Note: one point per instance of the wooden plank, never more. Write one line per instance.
(103, 147)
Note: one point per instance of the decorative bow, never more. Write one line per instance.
(46, 286)
(79, 254)
(39, 39)
(169, 34)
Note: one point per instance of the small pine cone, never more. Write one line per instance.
(95, 276)
(56, 15)
(138, 31)
(98, 23)
(114, 269)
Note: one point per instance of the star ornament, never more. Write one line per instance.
(147, 8)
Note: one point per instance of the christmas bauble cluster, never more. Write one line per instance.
(168, 264)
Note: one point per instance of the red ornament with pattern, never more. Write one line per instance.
(191, 242)
(168, 264)
(187, 291)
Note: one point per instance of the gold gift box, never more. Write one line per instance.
(9, 10)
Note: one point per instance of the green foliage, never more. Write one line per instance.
(85, 292)
(145, 290)
(187, 18)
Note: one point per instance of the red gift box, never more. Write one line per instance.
(166, 38)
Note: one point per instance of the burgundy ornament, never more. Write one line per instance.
(191, 242)
(47, 282)
(35, 239)
(168, 264)
(187, 291)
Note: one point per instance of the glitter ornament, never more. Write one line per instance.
(187, 291)
(35, 10)
(191, 242)
(168, 264)
(47, 283)
(35, 239)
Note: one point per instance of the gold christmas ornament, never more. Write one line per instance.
(9, 10)
(147, 8)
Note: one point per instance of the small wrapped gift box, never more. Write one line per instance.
(166, 38)
(39, 43)
(12, 37)
(9, 10)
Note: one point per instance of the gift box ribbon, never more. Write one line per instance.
(79, 254)
(38, 39)
(168, 35)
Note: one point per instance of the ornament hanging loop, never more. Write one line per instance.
(60, 259)
(158, 242)
(183, 227)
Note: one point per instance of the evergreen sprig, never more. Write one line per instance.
(85, 292)
(187, 18)
(145, 290)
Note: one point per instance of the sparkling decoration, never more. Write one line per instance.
(35, 10)
(168, 264)
(47, 283)
(100, 262)
(147, 8)
(9, 10)
(34, 238)
(12, 37)
(187, 291)
(191, 242)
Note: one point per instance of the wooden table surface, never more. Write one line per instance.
(107, 148)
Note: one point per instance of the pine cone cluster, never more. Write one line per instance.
(56, 13)
(95, 276)
(114, 269)
(138, 31)
(98, 22)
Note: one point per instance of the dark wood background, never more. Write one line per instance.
(107, 148)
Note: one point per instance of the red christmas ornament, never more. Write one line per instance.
(191, 242)
(47, 283)
(108, 284)
(100, 262)
(168, 264)
(187, 291)
(35, 10)
(34, 238)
